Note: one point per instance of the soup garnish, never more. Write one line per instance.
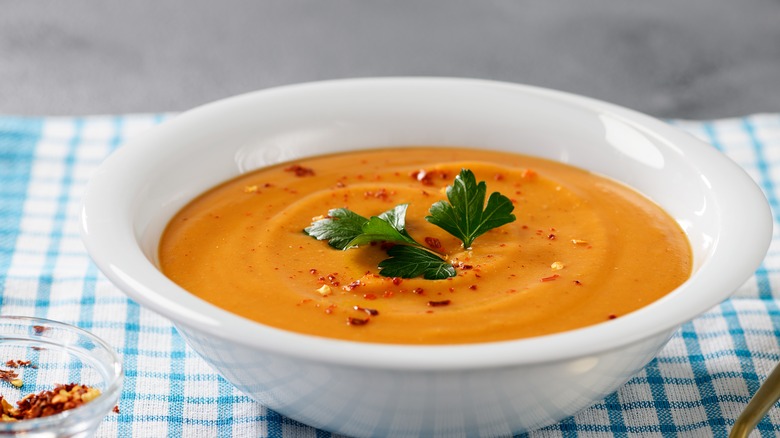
(465, 216)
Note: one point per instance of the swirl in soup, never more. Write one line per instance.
(583, 249)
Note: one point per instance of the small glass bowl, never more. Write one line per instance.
(58, 354)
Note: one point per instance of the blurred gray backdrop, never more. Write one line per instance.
(684, 59)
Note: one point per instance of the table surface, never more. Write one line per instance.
(695, 59)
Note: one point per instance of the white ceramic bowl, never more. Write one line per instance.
(373, 389)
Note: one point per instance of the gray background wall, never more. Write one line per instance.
(687, 59)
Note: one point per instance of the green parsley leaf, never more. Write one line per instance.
(344, 229)
(409, 262)
(389, 226)
(466, 216)
(339, 228)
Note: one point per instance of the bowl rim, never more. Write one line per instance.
(658, 318)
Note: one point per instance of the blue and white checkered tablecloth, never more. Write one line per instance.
(697, 386)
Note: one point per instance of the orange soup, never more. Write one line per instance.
(582, 250)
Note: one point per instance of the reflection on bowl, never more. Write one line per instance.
(365, 389)
(47, 353)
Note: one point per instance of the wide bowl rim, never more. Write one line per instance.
(675, 309)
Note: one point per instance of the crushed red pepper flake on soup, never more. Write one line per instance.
(583, 249)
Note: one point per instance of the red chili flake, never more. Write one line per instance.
(39, 329)
(357, 321)
(473, 287)
(550, 278)
(382, 194)
(463, 266)
(340, 184)
(299, 170)
(50, 402)
(577, 282)
(386, 245)
(397, 280)
(372, 312)
(439, 303)
(418, 291)
(433, 242)
(452, 289)
(612, 316)
(355, 284)
(498, 177)
(267, 185)
(116, 409)
(426, 177)
(369, 296)
(313, 271)
(8, 375)
(551, 236)
(18, 363)
(419, 175)
(426, 194)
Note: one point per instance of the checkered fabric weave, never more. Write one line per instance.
(697, 386)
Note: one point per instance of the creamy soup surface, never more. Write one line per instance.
(583, 249)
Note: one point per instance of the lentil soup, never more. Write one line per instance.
(583, 249)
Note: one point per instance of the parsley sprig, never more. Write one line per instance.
(345, 229)
(465, 216)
